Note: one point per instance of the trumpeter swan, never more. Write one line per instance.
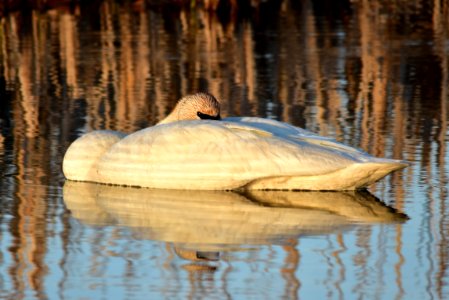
(190, 149)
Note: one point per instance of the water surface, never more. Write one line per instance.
(372, 76)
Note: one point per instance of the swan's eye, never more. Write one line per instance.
(208, 117)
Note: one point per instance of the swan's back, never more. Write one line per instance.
(230, 155)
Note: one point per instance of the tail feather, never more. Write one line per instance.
(354, 177)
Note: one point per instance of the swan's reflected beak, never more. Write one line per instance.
(208, 117)
(208, 255)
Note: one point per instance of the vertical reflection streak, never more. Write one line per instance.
(400, 263)
(339, 262)
(291, 263)
(226, 277)
(441, 35)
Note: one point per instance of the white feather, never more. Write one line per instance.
(236, 153)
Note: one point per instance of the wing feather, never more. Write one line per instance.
(212, 155)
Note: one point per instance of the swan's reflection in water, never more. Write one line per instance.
(201, 225)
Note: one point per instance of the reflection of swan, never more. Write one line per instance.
(359, 206)
(235, 153)
(214, 218)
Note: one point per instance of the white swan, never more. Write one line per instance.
(235, 153)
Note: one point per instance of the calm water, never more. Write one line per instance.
(372, 76)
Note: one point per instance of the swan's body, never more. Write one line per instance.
(235, 153)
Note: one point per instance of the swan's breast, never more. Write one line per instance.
(80, 159)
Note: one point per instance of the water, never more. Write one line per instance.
(374, 77)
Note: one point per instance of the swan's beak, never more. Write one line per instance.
(208, 117)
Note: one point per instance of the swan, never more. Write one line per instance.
(194, 149)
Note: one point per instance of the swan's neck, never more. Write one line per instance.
(172, 117)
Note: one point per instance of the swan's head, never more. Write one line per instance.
(199, 106)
